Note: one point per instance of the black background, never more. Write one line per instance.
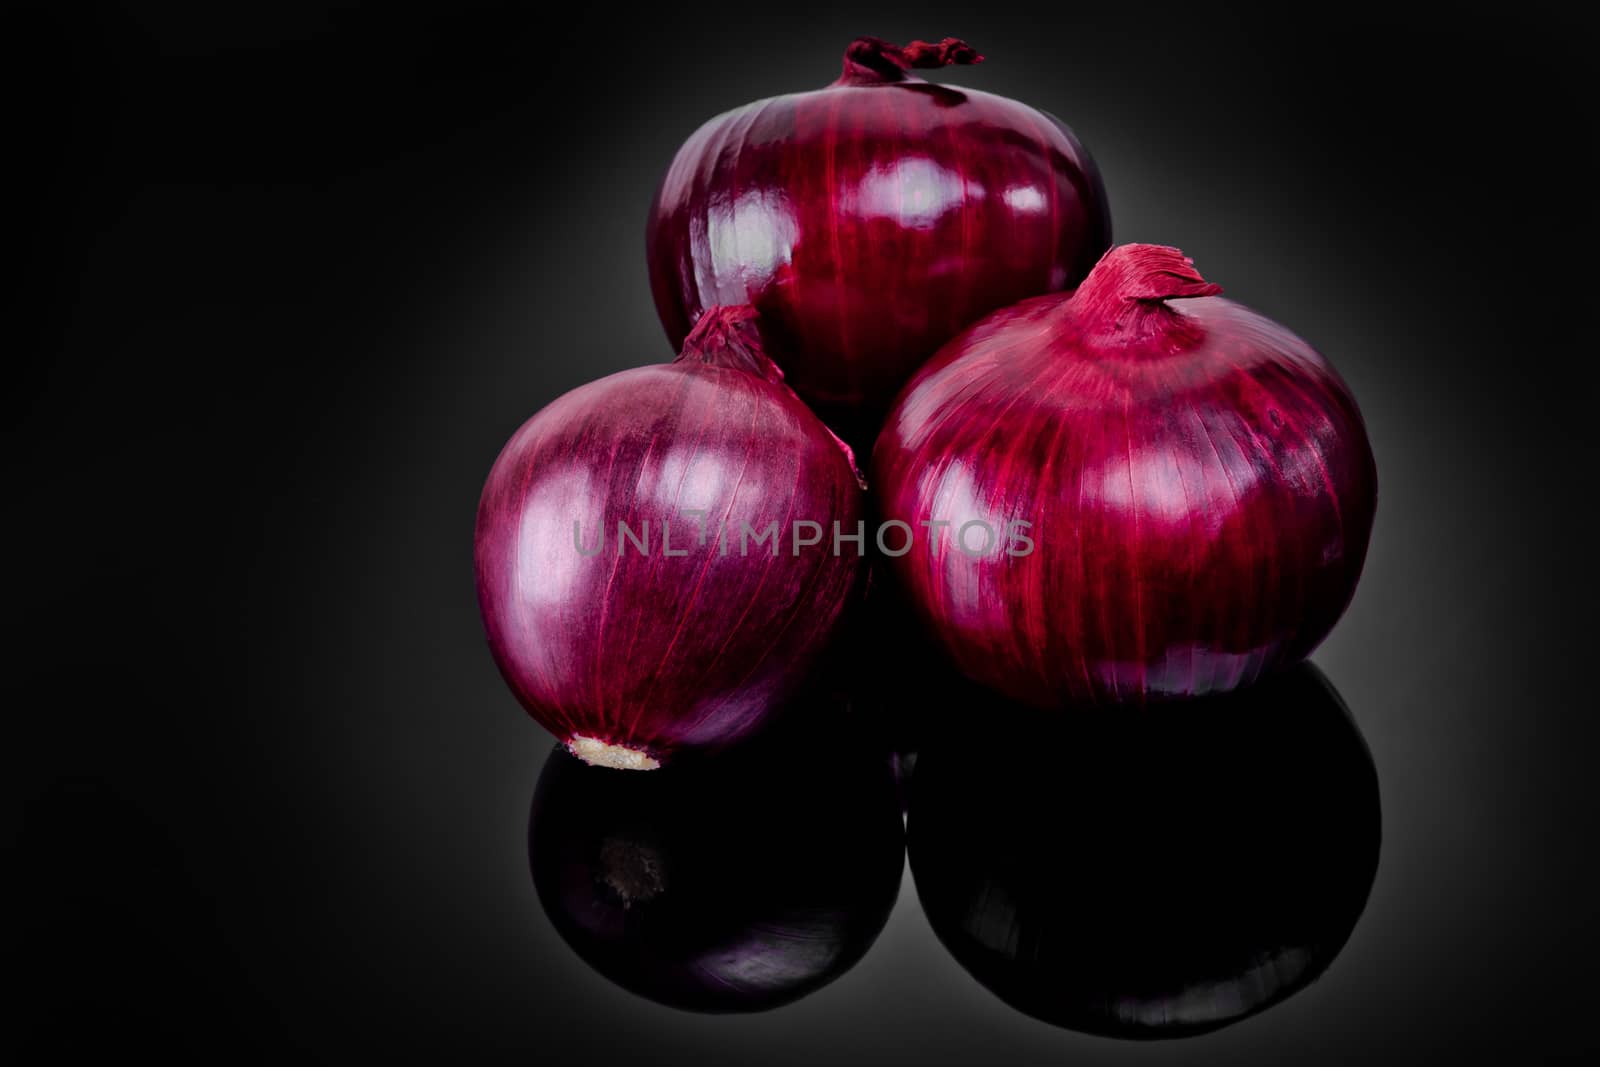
(294, 274)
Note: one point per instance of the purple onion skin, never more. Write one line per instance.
(651, 653)
(871, 220)
(1198, 479)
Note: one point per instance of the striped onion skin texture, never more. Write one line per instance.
(1198, 481)
(871, 220)
(650, 653)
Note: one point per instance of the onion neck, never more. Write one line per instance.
(729, 335)
(1123, 301)
(873, 61)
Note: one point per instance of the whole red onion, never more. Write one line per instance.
(1198, 482)
(632, 595)
(871, 220)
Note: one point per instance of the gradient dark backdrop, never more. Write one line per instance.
(296, 273)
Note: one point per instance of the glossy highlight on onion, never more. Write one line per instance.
(1194, 481)
(870, 220)
(1153, 875)
(625, 603)
(738, 885)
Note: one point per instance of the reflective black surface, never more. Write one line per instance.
(1151, 875)
(293, 272)
(735, 885)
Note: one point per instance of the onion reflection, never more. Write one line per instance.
(1149, 874)
(738, 884)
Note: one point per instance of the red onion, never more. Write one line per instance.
(656, 554)
(871, 220)
(1197, 479)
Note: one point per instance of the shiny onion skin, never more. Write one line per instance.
(1198, 480)
(872, 219)
(631, 655)
(736, 885)
(1172, 872)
